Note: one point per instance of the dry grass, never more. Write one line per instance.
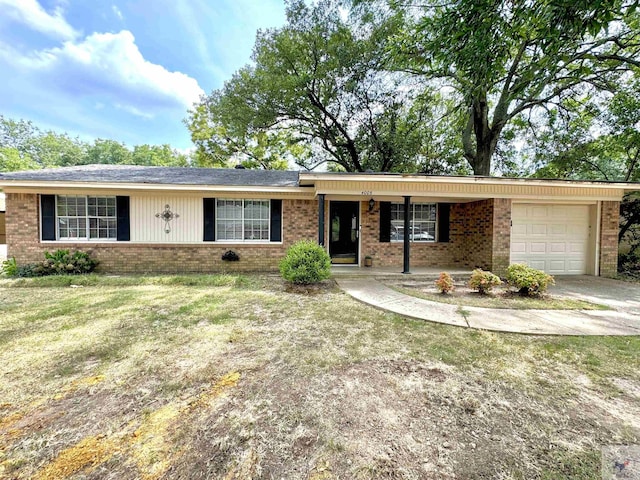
(500, 297)
(240, 378)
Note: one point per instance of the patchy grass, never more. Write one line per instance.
(501, 297)
(239, 377)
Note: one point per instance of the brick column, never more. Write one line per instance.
(22, 225)
(609, 228)
(501, 242)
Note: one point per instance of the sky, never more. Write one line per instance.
(126, 70)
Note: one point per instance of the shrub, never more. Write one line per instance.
(483, 281)
(9, 267)
(62, 262)
(29, 270)
(305, 262)
(527, 280)
(444, 283)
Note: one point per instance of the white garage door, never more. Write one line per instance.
(553, 238)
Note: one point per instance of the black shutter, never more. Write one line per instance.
(276, 221)
(124, 225)
(209, 209)
(443, 222)
(385, 222)
(48, 213)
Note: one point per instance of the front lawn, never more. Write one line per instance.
(237, 377)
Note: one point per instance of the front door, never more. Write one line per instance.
(343, 232)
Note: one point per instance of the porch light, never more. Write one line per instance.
(372, 203)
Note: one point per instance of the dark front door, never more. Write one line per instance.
(343, 232)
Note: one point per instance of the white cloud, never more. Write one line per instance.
(134, 111)
(31, 13)
(117, 12)
(112, 64)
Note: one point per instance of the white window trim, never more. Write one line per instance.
(243, 241)
(412, 220)
(87, 217)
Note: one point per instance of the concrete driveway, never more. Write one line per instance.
(615, 294)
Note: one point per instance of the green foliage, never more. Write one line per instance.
(23, 146)
(305, 262)
(527, 280)
(444, 283)
(483, 281)
(62, 262)
(9, 267)
(508, 63)
(29, 270)
(317, 92)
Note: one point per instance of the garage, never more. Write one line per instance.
(555, 238)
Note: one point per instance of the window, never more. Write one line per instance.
(86, 218)
(422, 222)
(242, 220)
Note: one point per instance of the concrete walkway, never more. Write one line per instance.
(540, 322)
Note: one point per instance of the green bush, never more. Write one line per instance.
(527, 280)
(444, 283)
(483, 281)
(62, 262)
(9, 267)
(305, 262)
(29, 270)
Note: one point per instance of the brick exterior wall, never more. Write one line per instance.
(299, 220)
(479, 237)
(390, 254)
(475, 232)
(501, 246)
(3, 236)
(609, 228)
(474, 229)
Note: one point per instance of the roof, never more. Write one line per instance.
(294, 184)
(157, 175)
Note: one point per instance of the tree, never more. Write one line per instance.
(317, 94)
(24, 146)
(503, 60)
(597, 138)
(158, 156)
(11, 160)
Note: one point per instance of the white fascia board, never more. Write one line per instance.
(309, 178)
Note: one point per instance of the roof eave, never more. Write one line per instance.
(308, 178)
(6, 183)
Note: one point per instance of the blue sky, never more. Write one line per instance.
(127, 70)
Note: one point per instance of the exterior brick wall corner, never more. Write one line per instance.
(609, 228)
(501, 251)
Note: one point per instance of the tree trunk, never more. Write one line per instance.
(486, 136)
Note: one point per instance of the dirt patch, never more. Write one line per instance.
(500, 297)
(391, 419)
(76, 384)
(311, 289)
(149, 445)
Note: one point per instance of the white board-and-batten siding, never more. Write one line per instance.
(146, 227)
